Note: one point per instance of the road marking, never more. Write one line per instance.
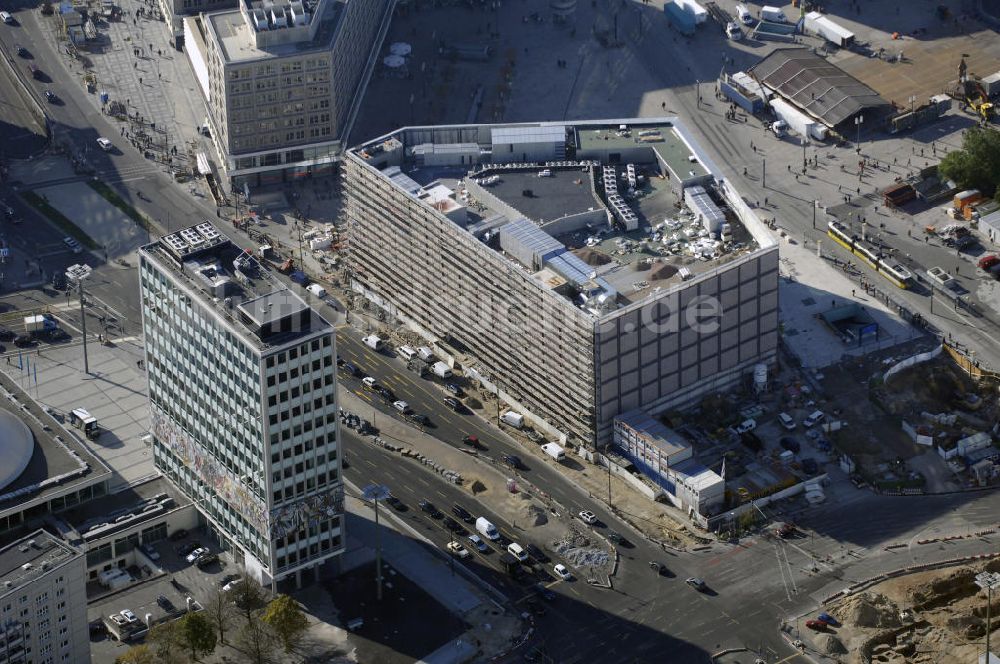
(781, 570)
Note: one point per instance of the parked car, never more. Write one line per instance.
(21, 51)
(458, 550)
(227, 578)
(98, 628)
(544, 592)
(51, 97)
(23, 341)
(462, 513)
(562, 572)
(402, 407)
(588, 517)
(206, 559)
(164, 603)
(816, 625)
(478, 542)
(150, 552)
(105, 144)
(187, 548)
(59, 281)
(128, 615)
(196, 554)
(617, 538)
(7, 18)
(232, 584)
(453, 403)
(696, 583)
(454, 389)
(420, 419)
(175, 536)
(385, 393)
(746, 425)
(828, 619)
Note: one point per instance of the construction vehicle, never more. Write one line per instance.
(978, 100)
(286, 267)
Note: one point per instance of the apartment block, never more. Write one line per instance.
(580, 271)
(43, 602)
(282, 81)
(242, 389)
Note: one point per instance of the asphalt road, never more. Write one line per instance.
(22, 133)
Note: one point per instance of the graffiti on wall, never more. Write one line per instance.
(209, 470)
(306, 512)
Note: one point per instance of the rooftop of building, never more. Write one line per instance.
(264, 29)
(567, 181)
(109, 514)
(236, 285)
(23, 561)
(58, 462)
(655, 433)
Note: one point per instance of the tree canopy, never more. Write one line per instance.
(977, 164)
(197, 633)
(284, 616)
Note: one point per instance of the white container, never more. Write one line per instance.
(773, 14)
(441, 370)
(373, 342)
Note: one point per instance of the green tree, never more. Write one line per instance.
(977, 164)
(284, 616)
(166, 642)
(197, 634)
(140, 654)
(248, 596)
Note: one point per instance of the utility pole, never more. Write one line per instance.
(763, 173)
(988, 581)
(77, 273)
(815, 205)
(376, 493)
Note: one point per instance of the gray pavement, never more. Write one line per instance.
(94, 215)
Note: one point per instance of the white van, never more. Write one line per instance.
(515, 420)
(316, 290)
(746, 18)
(406, 352)
(773, 14)
(786, 421)
(816, 417)
(441, 370)
(425, 353)
(517, 551)
(487, 529)
(373, 342)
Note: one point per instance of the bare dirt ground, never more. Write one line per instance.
(937, 616)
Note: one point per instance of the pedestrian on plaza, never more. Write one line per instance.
(140, 80)
(789, 168)
(765, 201)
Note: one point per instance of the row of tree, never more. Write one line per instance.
(257, 627)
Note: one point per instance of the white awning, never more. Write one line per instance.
(203, 167)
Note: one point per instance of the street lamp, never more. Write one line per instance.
(77, 273)
(988, 581)
(858, 121)
(375, 493)
(805, 144)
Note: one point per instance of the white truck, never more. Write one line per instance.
(555, 451)
(425, 354)
(39, 323)
(487, 529)
(822, 26)
(513, 419)
(441, 370)
(373, 342)
(797, 121)
(317, 290)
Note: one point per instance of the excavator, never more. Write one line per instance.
(978, 100)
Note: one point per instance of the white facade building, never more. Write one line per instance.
(43, 602)
(242, 389)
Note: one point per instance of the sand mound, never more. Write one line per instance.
(871, 610)
(662, 271)
(592, 257)
(829, 644)
(534, 515)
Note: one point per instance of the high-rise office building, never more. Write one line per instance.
(242, 389)
(581, 270)
(43, 602)
(282, 81)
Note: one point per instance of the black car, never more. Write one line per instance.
(165, 603)
(385, 393)
(513, 461)
(396, 504)
(23, 341)
(617, 538)
(353, 370)
(57, 335)
(462, 513)
(453, 403)
(7, 335)
(206, 559)
(59, 281)
(51, 97)
(790, 444)
(536, 553)
(454, 389)
(544, 592)
(178, 535)
(428, 507)
(453, 526)
(98, 628)
(22, 51)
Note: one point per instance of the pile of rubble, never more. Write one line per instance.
(580, 551)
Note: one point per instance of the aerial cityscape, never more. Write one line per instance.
(446, 331)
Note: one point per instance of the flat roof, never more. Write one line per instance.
(230, 280)
(23, 561)
(553, 197)
(655, 433)
(238, 40)
(59, 463)
(663, 139)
